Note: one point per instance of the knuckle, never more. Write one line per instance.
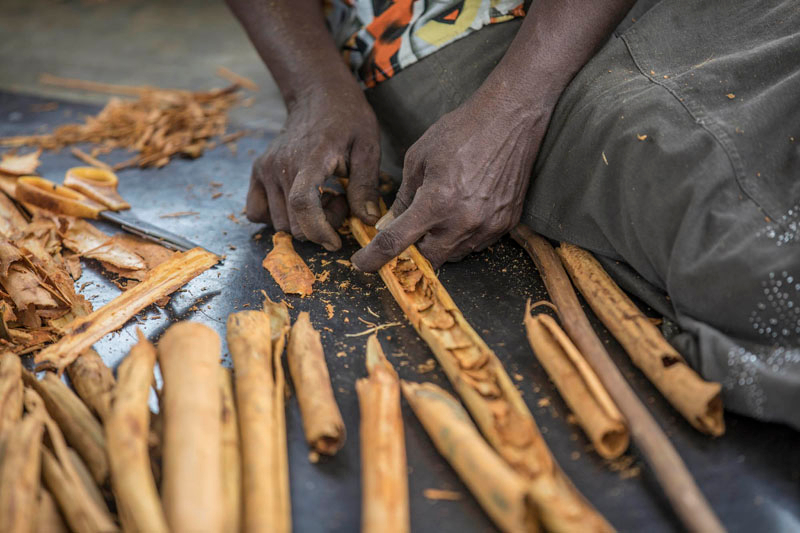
(387, 243)
(298, 200)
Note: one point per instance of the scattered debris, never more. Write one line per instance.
(20, 165)
(288, 268)
(179, 214)
(641, 136)
(427, 366)
(442, 494)
(89, 160)
(237, 79)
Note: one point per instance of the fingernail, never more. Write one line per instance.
(384, 221)
(372, 209)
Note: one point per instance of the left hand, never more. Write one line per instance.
(464, 182)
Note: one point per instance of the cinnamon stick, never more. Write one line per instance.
(485, 388)
(688, 502)
(48, 517)
(255, 340)
(19, 475)
(384, 478)
(93, 381)
(191, 487)
(80, 427)
(322, 420)
(578, 385)
(10, 392)
(699, 401)
(499, 490)
(127, 430)
(81, 511)
(230, 454)
(162, 280)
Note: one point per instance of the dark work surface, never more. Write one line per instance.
(751, 476)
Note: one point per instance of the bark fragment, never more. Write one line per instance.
(287, 268)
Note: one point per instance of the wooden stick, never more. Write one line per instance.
(93, 381)
(231, 455)
(188, 355)
(689, 503)
(384, 479)
(578, 385)
(287, 268)
(80, 427)
(10, 392)
(127, 429)
(255, 342)
(485, 388)
(48, 517)
(322, 420)
(80, 510)
(161, 281)
(699, 401)
(501, 492)
(89, 160)
(19, 475)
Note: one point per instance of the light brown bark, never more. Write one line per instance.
(10, 391)
(384, 476)
(19, 475)
(322, 421)
(230, 455)
(93, 381)
(188, 354)
(287, 267)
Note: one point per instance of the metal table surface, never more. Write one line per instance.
(751, 476)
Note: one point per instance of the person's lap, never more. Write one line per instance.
(672, 152)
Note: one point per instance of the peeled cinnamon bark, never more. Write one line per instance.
(93, 381)
(322, 421)
(699, 401)
(287, 268)
(230, 455)
(384, 477)
(578, 385)
(19, 475)
(188, 354)
(10, 392)
(501, 492)
(127, 428)
(81, 511)
(485, 388)
(80, 427)
(48, 517)
(162, 280)
(255, 340)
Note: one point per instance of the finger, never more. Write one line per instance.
(362, 191)
(336, 209)
(439, 246)
(306, 206)
(401, 233)
(277, 206)
(256, 206)
(413, 173)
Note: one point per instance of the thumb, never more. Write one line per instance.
(412, 180)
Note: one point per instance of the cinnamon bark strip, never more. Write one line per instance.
(699, 401)
(10, 392)
(486, 389)
(81, 511)
(578, 385)
(127, 428)
(191, 487)
(501, 492)
(19, 475)
(86, 330)
(287, 268)
(384, 477)
(255, 340)
(93, 381)
(688, 502)
(79, 426)
(230, 455)
(48, 517)
(322, 420)
(89, 160)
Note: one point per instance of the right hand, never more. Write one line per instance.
(327, 131)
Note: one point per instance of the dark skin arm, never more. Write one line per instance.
(465, 179)
(330, 127)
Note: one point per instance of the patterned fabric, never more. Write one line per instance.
(378, 38)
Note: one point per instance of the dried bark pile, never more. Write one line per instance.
(158, 124)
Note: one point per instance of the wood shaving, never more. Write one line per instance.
(179, 214)
(288, 269)
(442, 494)
(20, 165)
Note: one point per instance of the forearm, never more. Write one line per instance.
(292, 39)
(554, 42)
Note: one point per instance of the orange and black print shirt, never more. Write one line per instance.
(379, 38)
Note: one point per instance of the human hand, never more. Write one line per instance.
(464, 183)
(329, 131)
